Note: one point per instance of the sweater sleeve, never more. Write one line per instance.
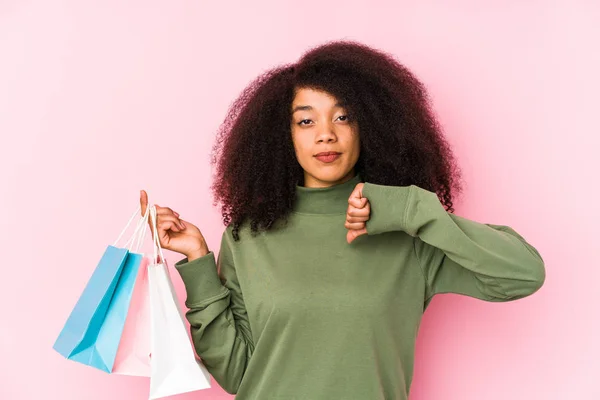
(217, 315)
(457, 255)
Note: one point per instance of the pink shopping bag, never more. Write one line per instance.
(133, 354)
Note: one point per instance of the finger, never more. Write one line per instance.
(143, 201)
(353, 234)
(355, 202)
(354, 225)
(165, 210)
(358, 212)
(160, 225)
(167, 229)
(356, 193)
(357, 219)
(177, 221)
(355, 197)
(359, 202)
(161, 231)
(177, 224)
(163, 235)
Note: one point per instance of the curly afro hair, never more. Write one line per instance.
(401, 142)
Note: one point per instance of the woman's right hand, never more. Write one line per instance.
(174, 233)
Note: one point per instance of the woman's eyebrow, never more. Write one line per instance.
(301, 108)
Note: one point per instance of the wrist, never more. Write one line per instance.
(197, 254)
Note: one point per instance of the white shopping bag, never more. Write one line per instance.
(174, 366)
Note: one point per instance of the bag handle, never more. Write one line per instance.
(156, 239)
(141, 222)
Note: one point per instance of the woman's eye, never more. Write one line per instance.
(343, 118)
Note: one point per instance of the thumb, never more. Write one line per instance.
(356, 197)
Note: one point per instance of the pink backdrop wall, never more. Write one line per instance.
(101, 99)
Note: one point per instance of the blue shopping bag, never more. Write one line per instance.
(93, 330)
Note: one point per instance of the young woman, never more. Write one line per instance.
(337, 189)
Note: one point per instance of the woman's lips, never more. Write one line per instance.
(328, 158)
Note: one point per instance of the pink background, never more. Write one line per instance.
(102, 99)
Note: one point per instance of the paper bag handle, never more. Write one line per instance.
(156, 239)
(141, 223)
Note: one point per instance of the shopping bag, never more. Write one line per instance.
(174, 366)
(133, 355)
(92, 332)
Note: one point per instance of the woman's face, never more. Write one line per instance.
(320, 124)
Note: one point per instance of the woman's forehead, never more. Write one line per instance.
(309, 98)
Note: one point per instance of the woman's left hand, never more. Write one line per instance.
(358, 214)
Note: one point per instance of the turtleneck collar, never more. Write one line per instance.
(327, 200)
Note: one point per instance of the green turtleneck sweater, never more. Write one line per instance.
(298, 313)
